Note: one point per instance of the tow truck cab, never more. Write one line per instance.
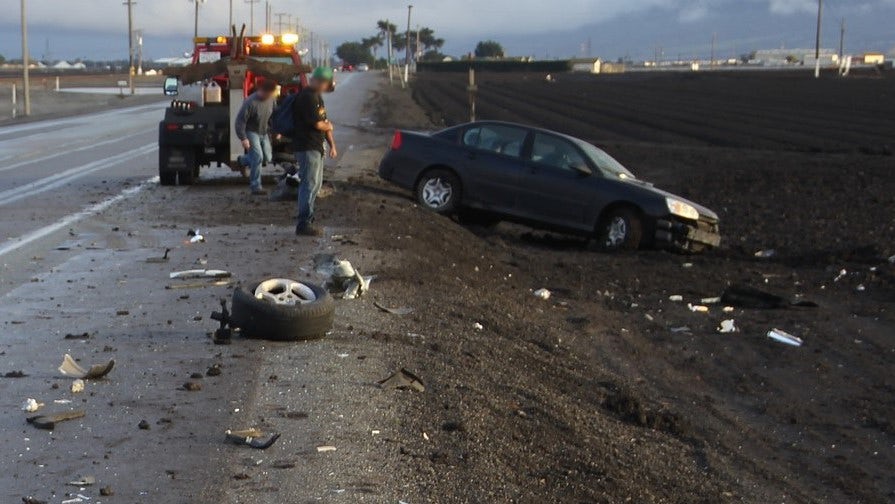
(198, 124)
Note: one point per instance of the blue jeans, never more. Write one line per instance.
(310, 170)
(260, 152)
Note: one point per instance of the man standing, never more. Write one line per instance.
(252, 130)
(312, 127)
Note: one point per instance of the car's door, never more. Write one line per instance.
(493, 165)
(556, 187)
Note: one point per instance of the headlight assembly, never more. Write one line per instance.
(681, 209)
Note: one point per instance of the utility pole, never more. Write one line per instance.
(820, 9)
(407, 43)
(389, 55)
(252, 15)
(196, 18)
(714, 39)
(841, 41)
(280, 16)
(267, 17)
(230, 26)
(26, 81)
(130, 44)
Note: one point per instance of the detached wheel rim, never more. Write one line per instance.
(437, 193)
(282, 291)
(616, 232)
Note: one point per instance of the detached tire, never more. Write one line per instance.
(439, 190)
(263, 319)
(620, 229)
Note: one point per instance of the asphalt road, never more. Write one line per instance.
(81, 211)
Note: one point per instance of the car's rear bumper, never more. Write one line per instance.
(687, 235)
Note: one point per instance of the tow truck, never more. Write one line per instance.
(198, 129)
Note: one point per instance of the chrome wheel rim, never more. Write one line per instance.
(437, 193)
(282, 291)
(616, 232)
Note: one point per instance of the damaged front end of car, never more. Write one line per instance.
(687, 228)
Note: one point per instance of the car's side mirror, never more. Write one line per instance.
(583, 170)
(171, 86)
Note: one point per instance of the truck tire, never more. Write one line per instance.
(167, 177)
(269, 320)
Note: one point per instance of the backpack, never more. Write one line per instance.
(282, 121)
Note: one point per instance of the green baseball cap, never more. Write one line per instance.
(323, 74)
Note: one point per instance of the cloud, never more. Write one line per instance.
(792, 6)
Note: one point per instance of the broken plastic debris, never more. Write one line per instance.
(698, 308)
(252, 437)
(710, 300)
(784, 337)
(766, 254)
(199, 273)
(477, 326)
(682, 329)
(841, 274)
(403, 380)
(31, 405)
(543, 294)
(83, 481)
(195, 236)
(393, 311)
(77, 386)
(326, 448)
(727, 309)
(860, 288)
(342, 276)
(162, 259)
(49, 421)
(727, 326)
(677, 298)
(71, 368)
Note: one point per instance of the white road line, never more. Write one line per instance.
(17, 128)
(67, 152)
(60, 179)
(68, 220)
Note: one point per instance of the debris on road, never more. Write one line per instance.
(15, 374)
(543, 294)
(342, 276)
(223, 335)
(766, 254)
(195, 236)
(326, 448)
(403, 380)
(477, 326)
(192, 386)
(144, 425)
(677, 298)
(49, 421)
(710, 300)
(77, 386)
(393, 311)
(681, 329)
(698, 308)
(214, 370)
(727, 326)
(742, 296)
(31, 405)
(71, 368)
(219, 283)
(106, 491)
(83, 336)
(784, 337)
(252, 437)
(199, 273)
(83, 481)
(162, 259)
(841, 275)
(32, 500)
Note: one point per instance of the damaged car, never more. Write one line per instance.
(488, 171)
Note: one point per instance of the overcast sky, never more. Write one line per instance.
(96, 28)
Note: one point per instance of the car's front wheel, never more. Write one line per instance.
(620, 229)
(439, 191)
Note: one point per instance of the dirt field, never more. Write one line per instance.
(733, 416)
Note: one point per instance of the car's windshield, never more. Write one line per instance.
(606, 163)
(286, 60)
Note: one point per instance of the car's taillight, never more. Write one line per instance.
(397, 140)
(172, 126)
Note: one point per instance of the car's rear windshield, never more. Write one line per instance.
(606, 163)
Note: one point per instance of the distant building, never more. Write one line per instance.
(784, 57)
(587, 65)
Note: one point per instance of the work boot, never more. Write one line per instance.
(308, 230)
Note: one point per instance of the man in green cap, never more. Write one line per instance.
(312, 129)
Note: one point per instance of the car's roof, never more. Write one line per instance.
(519, 125)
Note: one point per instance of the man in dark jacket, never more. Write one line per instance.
(312, 129)
(252, 130)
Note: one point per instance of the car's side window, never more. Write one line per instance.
(556, 152)
(497, 139)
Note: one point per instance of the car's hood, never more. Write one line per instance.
(665, 194)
